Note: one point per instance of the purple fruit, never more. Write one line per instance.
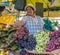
(50, 42)
(56, 42)
(58, 47)
(59, 39)
(21, 33)
(50, 47)
(51, 34)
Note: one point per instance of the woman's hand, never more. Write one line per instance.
(18, 24)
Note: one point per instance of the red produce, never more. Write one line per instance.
(21, 33)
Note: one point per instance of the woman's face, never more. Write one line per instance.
(30, 11)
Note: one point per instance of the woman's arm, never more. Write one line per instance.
(44, 28)
(19, 24)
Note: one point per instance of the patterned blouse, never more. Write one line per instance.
(33, 24)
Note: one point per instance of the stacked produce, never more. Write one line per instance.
(21, 33)
(54, 42)
(24, 40)
(41, 38)
(28, 42)
(21, 36)
(49, 25)
(6, 37)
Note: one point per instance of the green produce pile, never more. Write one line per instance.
(6, 38)
(49, 25)
(41, 38)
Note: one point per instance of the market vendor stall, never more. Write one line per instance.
(25, 39)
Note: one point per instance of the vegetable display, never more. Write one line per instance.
(21, 33)
(54, 42)
(24, 40)
(5, 37)
(49, 25)
(41, 38)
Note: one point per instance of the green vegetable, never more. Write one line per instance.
(42, 38)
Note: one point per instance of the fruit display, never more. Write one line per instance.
(41, 38)
(23, 52)
(28, 42)
(21, 33)
(43, 42)
(7, 36)
(54, 42)
(23, 40)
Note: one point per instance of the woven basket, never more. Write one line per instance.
(34, 53)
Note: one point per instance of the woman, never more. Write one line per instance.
(31, 21)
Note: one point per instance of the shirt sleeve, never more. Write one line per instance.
(42, 21)
(24, 19)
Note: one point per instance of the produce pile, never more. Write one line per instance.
(41, 38)
(6, 37)
(21, 36)
(21, 33)
(43, 42)
(54, 42)
(49, 25)
(9, 38)
(28, 42)
(25, 41)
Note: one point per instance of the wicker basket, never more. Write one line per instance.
(34, 53)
